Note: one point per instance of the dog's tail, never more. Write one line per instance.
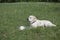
(53, 25)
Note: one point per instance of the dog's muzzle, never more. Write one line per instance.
(27, 19)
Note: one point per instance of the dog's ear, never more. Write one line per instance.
(35, 17)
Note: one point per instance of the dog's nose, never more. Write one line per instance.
(27, 19)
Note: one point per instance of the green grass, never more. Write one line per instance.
(13, 15)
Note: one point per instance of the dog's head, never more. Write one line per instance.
(32, 18)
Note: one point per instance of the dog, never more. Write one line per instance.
(34, 22)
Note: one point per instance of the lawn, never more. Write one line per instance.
(13, 15)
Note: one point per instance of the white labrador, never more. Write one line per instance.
(34, 22)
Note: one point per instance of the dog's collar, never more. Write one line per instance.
(33, 22)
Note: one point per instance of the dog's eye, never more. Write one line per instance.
(30, 17)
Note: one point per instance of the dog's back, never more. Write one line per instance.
(47, 23)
